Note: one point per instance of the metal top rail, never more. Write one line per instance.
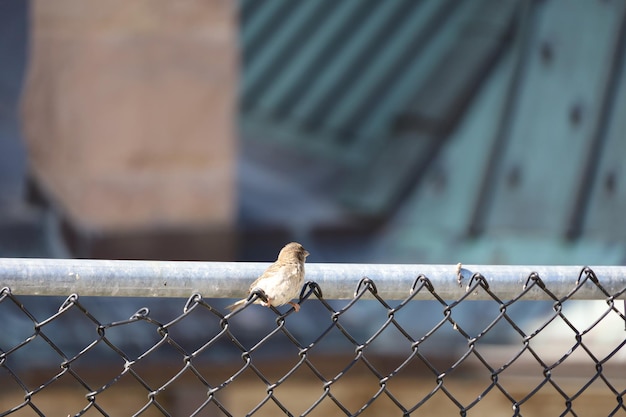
(86, 277)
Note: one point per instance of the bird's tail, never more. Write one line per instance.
(237, 305)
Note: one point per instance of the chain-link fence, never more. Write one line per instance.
(423, 354)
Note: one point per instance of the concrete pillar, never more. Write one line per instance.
(129, 116)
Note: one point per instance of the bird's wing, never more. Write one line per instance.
(271, 270)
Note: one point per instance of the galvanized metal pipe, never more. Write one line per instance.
(25, 276)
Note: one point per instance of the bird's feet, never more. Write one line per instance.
(295, 306)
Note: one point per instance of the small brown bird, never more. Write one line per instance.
(281, 282)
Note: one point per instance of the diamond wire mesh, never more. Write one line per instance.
(202, 365)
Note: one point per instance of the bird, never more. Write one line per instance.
(281, 282)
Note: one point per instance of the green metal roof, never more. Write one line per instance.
(500, 123)
(358, 82)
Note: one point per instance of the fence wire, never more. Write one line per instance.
(227, 370)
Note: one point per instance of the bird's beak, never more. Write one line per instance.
(306, 253)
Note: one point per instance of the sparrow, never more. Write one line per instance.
(281, 282)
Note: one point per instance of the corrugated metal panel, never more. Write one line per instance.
(356, 80)
(384, 88)
(542, 166)
(553, 114)
(603, 215)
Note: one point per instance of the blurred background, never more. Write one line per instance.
(437, 131)
(421, 132)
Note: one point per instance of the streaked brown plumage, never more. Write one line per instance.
(281, 282)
